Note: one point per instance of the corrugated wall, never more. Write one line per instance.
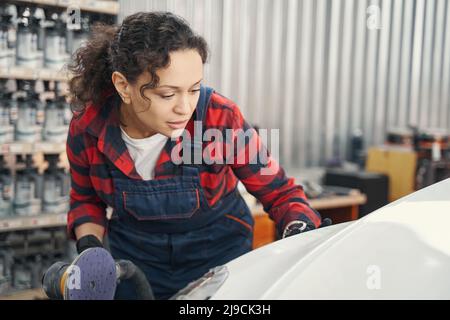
(318, 69)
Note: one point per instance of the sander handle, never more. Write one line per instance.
(127, 270)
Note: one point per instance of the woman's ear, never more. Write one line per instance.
(122, 86)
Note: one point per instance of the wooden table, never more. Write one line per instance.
(338, 208)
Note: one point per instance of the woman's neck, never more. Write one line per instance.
(131, 124)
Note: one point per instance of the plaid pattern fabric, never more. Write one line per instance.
(94, 136)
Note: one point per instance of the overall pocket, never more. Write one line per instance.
(239, 222)
(161, 205)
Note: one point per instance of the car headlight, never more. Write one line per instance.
(205, 287)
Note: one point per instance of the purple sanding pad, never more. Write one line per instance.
(92, 276)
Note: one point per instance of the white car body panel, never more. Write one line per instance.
(401, 251)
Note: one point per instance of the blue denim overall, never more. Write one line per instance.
(169, 230)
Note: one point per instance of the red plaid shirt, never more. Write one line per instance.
(95, 134)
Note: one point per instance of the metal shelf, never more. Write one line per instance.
(29, 294)
(34, 222)
(24, 73)
(97, 6)
(31, 148)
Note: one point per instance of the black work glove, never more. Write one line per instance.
(86, 242)
(299, 226)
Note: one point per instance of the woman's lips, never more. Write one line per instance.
(177, 125)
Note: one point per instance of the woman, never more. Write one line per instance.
(136, 89)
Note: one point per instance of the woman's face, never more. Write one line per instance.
(173, 102)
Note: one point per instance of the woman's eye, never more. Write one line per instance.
(170, 96)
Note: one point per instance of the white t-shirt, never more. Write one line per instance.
(145, 152)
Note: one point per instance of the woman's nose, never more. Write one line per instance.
(183, 106)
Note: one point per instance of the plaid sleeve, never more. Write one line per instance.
(85, 204)
(265, 179)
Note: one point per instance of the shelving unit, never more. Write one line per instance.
(29, 224)
(30, 294)
(34, 222)
(24, 73)
(31, 148)
(43, 220)
(102, 9)
(96, 6)
(108, 7)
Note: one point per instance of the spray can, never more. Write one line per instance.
(36, 270)
(26, 45)
(38, 19)
(8, 32)
(27, 191)
(13, 111)
(6, 262)
(30, 119)
(3, 280)
(40, 114)
(10, 17)
(55, 43)
(21, 275)
(26, 121)
(63, 105)
(54, 129)
(55, 200)
(6, 189)
(6, 129)
(5, 21)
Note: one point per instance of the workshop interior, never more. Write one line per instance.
(357, 90)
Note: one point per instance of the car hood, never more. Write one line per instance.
(401, 251)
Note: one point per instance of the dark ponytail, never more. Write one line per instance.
(91, 68)
(142, 43)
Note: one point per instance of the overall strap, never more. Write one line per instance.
(195, 145)
(203, 102)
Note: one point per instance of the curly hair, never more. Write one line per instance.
(142, 43)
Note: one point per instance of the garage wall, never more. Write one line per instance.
(319, 69)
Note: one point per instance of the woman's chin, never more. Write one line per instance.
(172, 133)
(175, 133)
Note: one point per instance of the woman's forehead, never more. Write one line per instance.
(184, 70)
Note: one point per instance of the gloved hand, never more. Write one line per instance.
(295, 227)
(86, 242)
(299, 226)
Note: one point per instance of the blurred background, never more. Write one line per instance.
(358, 90)
(321, 70)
